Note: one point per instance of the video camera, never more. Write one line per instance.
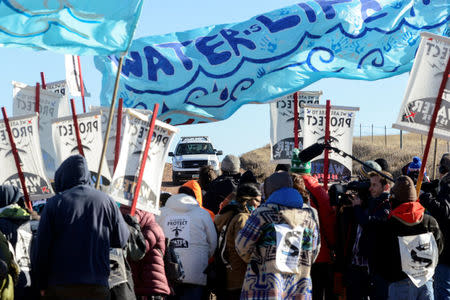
(339, 195)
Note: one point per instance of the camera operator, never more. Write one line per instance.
(370, 205)
(439, 207)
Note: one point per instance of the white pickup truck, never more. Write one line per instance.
(192, 153)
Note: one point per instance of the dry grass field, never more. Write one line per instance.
(258, 160)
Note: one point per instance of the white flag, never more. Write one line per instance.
(25, 133)
(73, 77)
(423, 87)
(131, 152)
(342, 120)
(52, 105)
(110, 151)
(65, 140)
(282, 124)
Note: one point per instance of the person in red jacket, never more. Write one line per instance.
(148, 274)
(322, 270)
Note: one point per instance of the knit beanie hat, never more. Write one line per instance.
(415, 165)
(383, 164)
(246, 191)
(404, 190)
(231, 164)
(275, 182)
(248, 177)
(298, 166)
(364, 171)
(444, 164)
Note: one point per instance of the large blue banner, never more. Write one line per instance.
(206, 74)
(79, 27)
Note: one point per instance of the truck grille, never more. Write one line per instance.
(194, 163)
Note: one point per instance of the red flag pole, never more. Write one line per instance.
(144, 159)
(326, 162)
(118, 132)
(37, 103)
(38, 98)
(17, 159)
(44, 86)
(77, 131)
(432, 126)
(81, 84)
(295, 120)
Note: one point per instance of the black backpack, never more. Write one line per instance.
(218, 190)
(172, 264)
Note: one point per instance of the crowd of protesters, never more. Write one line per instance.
(228, 236)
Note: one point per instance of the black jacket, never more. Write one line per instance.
(439, 208)
(77, 229)
(219, 189)
(412, 222)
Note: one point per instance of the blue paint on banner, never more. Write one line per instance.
(81, 27)
(206, 74)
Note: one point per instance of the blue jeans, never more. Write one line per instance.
(406, 290)
(442, 282)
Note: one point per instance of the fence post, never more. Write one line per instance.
(421, 141)
(360, 138)
(385, 135)
(434, 157)
(372, 133)
(401, 139)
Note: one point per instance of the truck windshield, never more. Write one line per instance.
(194, 148)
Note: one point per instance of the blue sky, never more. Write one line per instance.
(249, 127)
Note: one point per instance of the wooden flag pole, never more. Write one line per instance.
(144, 159)
(118, 133)
(326, 161)
(77, 131)
(17, 159)
(296, 120)
(108, 128)
(44, 86)
(432, 126)
(81, 84)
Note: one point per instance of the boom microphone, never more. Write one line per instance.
(311, 152)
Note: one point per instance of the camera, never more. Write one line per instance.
(339, 193)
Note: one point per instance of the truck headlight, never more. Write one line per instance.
(212, 163)
(177, 163)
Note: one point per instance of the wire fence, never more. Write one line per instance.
(389, 134)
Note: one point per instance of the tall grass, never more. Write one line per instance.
(258, 160)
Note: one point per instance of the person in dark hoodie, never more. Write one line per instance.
(407, 245)
(19, 226)
(439, 207)
(78, 227)
(223, 185)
